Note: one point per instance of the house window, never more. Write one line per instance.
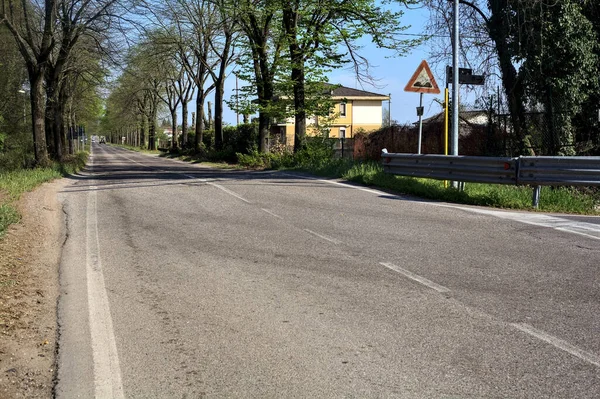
(342, 132)
(342, 109)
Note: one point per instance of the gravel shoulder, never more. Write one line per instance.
(30, 254)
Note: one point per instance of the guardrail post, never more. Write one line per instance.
(536, 196)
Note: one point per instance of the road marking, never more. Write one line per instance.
(333, 240)
(589, 230)
(416, 277)
(581, 228)
(107, 371)
(228, 191)
(558, 343)
(271, 213)
(337, 183)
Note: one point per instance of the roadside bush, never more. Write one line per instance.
(208, 138)
(16, 147)
(241, 139)
(317, 153)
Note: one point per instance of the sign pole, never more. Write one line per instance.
(420, 121)
(455, 84)
(422, 81)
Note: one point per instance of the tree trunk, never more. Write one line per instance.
(263, 131)
(174, 127)
(184, 127)
(499, 31)
(199, 119)
(290, 25)
(143, 129)
(299, 107)
(38, 110)
(219, 93)
(152, 130)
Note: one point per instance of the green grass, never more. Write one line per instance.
(559, 199)
(15, 183)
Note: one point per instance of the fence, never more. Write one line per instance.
(535, 171)
(343, 148)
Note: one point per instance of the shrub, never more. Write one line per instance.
(241, 139)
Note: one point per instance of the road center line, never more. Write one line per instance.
(228, 191)
(332, 240)
(416, 277)
(107, 371)
(271, 213)
(558, 343)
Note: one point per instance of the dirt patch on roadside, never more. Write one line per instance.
(29, 259)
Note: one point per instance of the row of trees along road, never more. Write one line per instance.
(283, 48)
(547, 55)
(545, 52)
(61, 43)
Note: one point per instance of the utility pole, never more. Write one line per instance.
(390, 110)
(455, 84)
(237, 96)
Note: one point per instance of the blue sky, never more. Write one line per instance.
(392, 73)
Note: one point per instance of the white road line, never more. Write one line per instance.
(558, 343)
(228, 191)
(536, 219)
(416, 277)
(271, 213)
(589, 230)
(333, 240)
(107, 372)
(337, 183)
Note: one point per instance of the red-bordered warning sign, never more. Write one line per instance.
(423, 81)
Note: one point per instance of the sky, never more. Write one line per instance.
(392, 74)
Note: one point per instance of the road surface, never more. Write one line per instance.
(179, 281)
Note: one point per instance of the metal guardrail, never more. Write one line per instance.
(534, 171)
(458, 168)
(559, 171)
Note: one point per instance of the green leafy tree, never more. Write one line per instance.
(558, 49)
(523, 41)
(323, 34)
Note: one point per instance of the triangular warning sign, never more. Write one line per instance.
(423, 81)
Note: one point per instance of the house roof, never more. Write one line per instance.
(342, 91)
(465, 116)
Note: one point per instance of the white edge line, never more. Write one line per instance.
(333, 240)
(107, 371)
(271, 213)
(416, 277)
(558, 343)
(576, 232)
(229, 192)
(368, 190)
(499, 214)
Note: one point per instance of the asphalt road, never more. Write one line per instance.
(179, 281)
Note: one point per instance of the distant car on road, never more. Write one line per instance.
(102, 140)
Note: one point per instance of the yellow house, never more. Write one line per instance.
(353, 110)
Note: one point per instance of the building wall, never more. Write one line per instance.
(367, 113)
(360, 114)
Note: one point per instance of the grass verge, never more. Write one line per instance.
(552, 199)
(319, 162)
(15, 183)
